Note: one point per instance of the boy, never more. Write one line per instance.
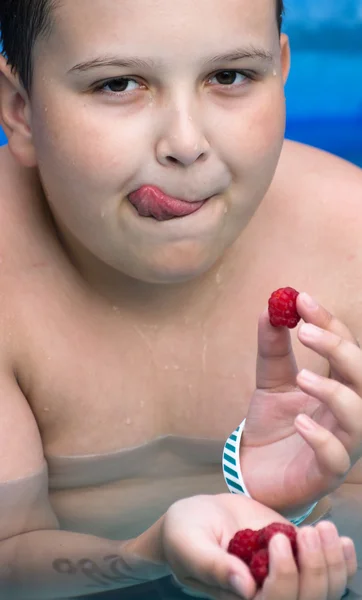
(150, 206)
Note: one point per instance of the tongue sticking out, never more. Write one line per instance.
(149, 201)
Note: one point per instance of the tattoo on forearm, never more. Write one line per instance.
(115, 570)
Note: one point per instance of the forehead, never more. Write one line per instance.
(156, 26)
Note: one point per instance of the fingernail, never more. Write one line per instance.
(329, 535)
(311, 331)
(348, 550)
(309, 376)
(282, 545)
(308, 301)
(312, 540)
(306, 423)
(237, 585)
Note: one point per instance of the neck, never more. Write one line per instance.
(154, 300)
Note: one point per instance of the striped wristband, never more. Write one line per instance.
(232, 473)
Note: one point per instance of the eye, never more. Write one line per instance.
(119, 85)
(230, 78)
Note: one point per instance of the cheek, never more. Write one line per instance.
(257, 135)
(85, 143)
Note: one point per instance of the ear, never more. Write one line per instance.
(285, 56)
(15, 115)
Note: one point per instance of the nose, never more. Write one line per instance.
(182, 141)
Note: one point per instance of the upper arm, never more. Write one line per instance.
(21, 450)
(24, 498)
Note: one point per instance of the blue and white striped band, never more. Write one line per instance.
(232, 473)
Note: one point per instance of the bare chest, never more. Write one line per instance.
(103, 382)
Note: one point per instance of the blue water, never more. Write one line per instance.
(324, 91)
(324, 100)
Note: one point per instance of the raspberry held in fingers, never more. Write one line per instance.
(253, 547)
(259, 566)
(266, 534)
(244, 544)
(282, 307)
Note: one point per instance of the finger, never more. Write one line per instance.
(312, 312)
(344, 356)
(344, 403)
(330, 454)
(334, 557)
(350, 556)
(276, 366)
(215, 568)
(312, 565)
(282, 582)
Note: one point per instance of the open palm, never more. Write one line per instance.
(284, 461)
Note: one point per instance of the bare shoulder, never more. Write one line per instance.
(321, 191)
(325, 180)
(324, 193)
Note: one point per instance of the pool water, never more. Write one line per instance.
(324, 101)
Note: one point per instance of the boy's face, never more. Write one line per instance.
(178, 117)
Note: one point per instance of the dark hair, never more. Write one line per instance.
(22, 22)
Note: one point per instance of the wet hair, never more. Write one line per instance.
(22, 22)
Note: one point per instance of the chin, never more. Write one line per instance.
(176, 273)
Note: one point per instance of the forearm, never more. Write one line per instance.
(55, 564)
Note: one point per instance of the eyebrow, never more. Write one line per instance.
(138, 63)
(239, 54)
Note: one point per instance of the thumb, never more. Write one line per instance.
(276, 367)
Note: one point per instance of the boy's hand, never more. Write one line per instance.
(288, 460)
(196, 533)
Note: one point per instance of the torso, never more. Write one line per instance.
(101, 380)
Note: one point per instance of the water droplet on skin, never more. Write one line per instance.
(46, 409)
(176, 367)
(166, 367)
(103, 214)
(115, 308)
(142, 404)
(128, 421)
(274, 73)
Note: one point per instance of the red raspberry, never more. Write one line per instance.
(266, 534)
(259, 566)
(244, 544)
(283, 308)
(253, 547)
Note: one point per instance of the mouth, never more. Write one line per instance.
(150, 201)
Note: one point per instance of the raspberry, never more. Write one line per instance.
(253, 547)
(283, 308)
(244, 544)
(259, 566)
(266, 534)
